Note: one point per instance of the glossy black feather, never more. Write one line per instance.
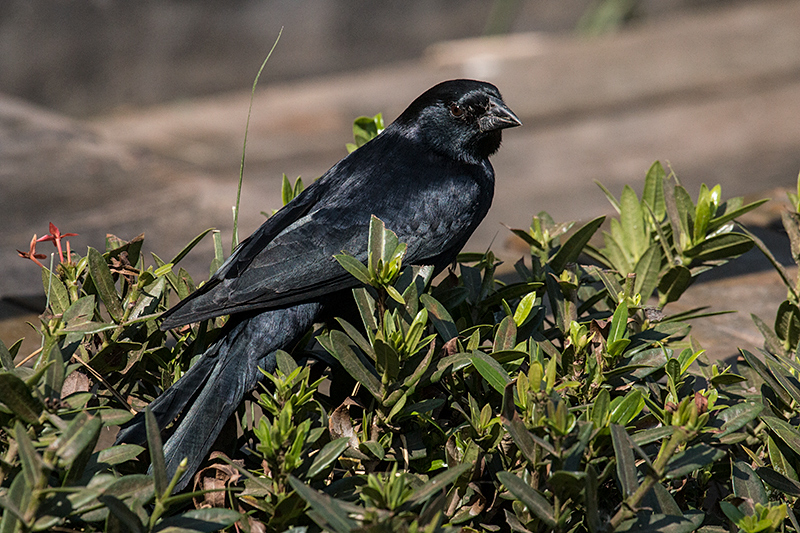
(427, 176)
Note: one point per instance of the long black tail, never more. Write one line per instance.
(213, 388)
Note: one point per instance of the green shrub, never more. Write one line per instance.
(558, 402)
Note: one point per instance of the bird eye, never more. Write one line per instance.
(456, 110)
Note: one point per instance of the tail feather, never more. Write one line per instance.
(171, 402)
(226, 372)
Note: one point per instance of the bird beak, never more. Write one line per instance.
(498, 117)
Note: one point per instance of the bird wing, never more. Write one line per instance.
(289, 259)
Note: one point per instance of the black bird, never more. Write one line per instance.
(427, 176)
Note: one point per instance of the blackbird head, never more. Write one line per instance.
(462, 119)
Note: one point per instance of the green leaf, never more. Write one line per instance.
(104, 283)
(651, 435)
(780, 463)
(633, 223)
(609, 196)
(189, 247)
(56, 292)
(720, 221)
(787, 324)
(653, 195)
(81, 433)
(121, 512)
(571, 249)
(440, 318)
(219, 254)
(156, 453)
(778, 481)
(784, 378)
(725, 246)
(373, 447)
(199, 521)
(646, 522)
(524, 308)
(692, 459)
(119, 454)
(6, 359)
(737, 416)
(387, 361)
(673, 369)
(491, 371)
(327, 508)
(535, 502)
(747, 484)
(16, 395)
(524, 439)
(767, 376)
(114, 417)
(33, 467)
(784, 431)
(438, 483)
(354, 267)
(54, 375)
(647, 269)
(619, 322)
(340, 346)
(674, 283)
(600, 409)
(19, 497)
(506, 336)
(626, 465)
(286, 190)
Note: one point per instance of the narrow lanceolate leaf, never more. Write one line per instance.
(492, 372)
(119, 511)
(626, 465)
(663, 523)
(119, 454)
(441, 319)
(325, 506)
(524, 439)
(327, 455)
(32, 464)
(340, 346)
(647, 270)
(506, 336)
(787, 324)
(779, 481)
(199, 521)
(633, 223)
(692, 459)
(788, 434)
(737, 416)
(54, 375)
(16, 395)
(55, 291)
(747, 484)
(189, 247)
(571, 249)
(653, 195)
(156, 452)
(674, 283)
(219, 254)
(81, 433)
(6, 359)
(725, 246)
(354, 267)
(762, 370)
(104, 283)
(530, 498)
(438, 483)
(619, 322)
